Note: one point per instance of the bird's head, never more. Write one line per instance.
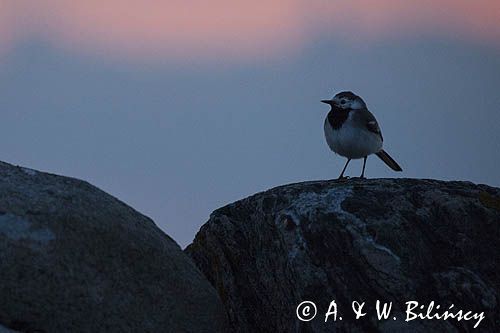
(346, 100)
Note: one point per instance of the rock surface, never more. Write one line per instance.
(359, 240)
(75, 259)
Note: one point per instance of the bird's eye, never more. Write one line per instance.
(342, 101)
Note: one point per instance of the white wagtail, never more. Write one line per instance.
(353, 132)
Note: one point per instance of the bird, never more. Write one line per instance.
(353, 132)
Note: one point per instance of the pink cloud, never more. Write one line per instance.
(6, 28)
(227, 29)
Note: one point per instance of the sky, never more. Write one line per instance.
(180, 107)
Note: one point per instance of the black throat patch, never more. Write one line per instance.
(337, 116)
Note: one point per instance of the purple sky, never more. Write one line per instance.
(177, 135)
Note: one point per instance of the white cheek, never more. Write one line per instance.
(356, 105)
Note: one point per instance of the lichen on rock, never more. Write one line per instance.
(392, 240)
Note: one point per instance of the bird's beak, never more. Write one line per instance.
(327, 101)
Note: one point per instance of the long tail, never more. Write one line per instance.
(389, 161)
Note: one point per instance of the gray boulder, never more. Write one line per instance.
(75, 259)
(393, 240)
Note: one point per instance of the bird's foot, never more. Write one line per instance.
(343, 178)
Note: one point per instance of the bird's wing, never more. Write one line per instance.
(371, 124)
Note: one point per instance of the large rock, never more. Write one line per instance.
(359, 240)
(75, 259)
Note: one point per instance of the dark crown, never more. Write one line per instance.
(347, 94)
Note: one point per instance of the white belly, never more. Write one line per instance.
(352, 142)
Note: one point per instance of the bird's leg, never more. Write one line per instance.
(343, 170)
(364, 164)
